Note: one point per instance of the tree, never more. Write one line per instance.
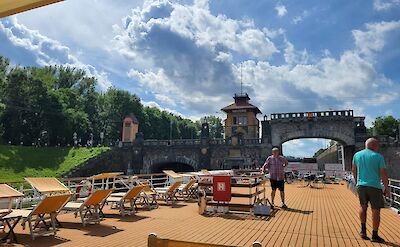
(319, 152)
(47, 105)
(386, 125)
(215, 126)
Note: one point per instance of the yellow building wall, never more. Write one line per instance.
(252, 125)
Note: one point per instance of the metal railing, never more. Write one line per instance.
(394, 198)
(314, 114)
(177, 142)
(119, 184)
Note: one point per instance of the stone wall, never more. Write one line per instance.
(330, 155)
(392, 158)
(115, 160)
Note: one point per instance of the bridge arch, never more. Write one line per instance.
(176, 163)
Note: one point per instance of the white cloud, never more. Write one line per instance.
(185, 52)
(303, 147)
(189, 55)
(383, 5)
(299, 18)
(373, 39)
(165, 99)
(154, 104)
(46, 50)
(280, 10)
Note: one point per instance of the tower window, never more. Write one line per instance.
(240, 120)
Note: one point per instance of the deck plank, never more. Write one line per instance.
(318, 217)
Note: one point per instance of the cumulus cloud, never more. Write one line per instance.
(46, 50)
(154, 104)
(191, 59)
(373, 39)
(280, 10)
(185, 51)
(382, 5)
(303, 147)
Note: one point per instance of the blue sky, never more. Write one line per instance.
(186, 56)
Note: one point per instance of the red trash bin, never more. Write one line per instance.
(222, 188)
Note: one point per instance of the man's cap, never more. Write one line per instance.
(275, 149)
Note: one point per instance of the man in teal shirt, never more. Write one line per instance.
(369, 172)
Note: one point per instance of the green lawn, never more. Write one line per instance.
(17, 162)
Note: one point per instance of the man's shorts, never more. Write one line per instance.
(277, 185)
(370, 194)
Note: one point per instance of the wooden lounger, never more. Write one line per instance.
(47, 185)
(7, 196)
(90, 209)
(149, 197)
(169, 193)
(172, 174)
(188, 191)
(154, 241)
(46, 210)
(129, 197)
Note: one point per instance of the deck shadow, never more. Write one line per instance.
(97, 230)
(132, 218)
(26, 240)
(294, 210)
(241, 217)
(126, 218)
(391, 244)
(172, 205)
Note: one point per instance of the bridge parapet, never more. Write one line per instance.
(311, 115)
(178, 142)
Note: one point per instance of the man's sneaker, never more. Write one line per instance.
(377, 239)
(284, 206)
(363, 235)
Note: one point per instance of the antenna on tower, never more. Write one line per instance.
(241, 79)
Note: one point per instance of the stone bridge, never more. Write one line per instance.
(149, 156)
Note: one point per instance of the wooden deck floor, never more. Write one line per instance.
(317, 217)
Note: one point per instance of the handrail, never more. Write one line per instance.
(312, 114)
(394, 198)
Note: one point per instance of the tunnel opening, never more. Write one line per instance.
(175, 166)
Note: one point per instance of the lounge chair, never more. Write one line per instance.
(148, 197)
(7, 196)
(90, 209)
(188, 191)
(172, 174)
(47, 185)
(130, 197)
(44, 212)
(169, 193)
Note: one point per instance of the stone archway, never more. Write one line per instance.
(176, 163)
(341, 126)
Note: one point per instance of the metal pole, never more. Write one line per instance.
(170, 129)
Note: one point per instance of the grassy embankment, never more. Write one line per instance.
(17, 162)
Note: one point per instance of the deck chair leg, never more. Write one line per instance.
(58, 222)
(101, 210)
(82, 215)
(122, 208)
(53, 222)
(31, 229)
(97, 214)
